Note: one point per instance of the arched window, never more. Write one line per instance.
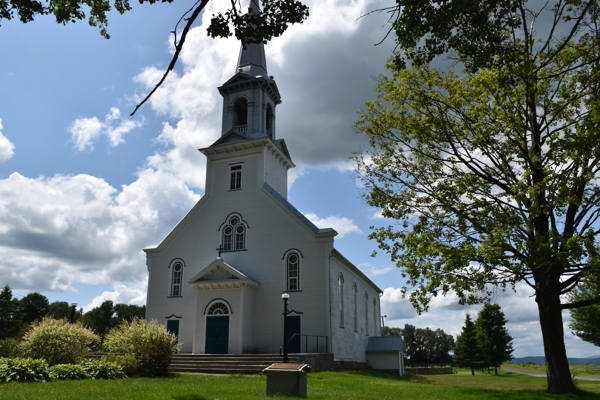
(176, 277)
(293, 272)
(375, 324)
(240, 115)
(354, 298)
(218, 309)
(269, 122)
(234, 234)
(366, 314)
(341, 299)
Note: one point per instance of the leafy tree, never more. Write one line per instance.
(493, 337)
(33, 307)
(494, 170)
(10, 322)
(467, 353)
(100, 319)
(425, 346)
(255, 27)
(586, 320)
(391, 331)
(127, 312)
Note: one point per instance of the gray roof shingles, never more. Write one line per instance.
(385, 343)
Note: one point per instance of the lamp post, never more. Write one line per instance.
(285, 298)
(73, 306)
(383, 317)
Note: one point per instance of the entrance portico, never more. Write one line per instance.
(223, 309)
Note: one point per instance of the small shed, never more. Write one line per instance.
(386, 353)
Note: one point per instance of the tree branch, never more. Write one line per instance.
(178, 48)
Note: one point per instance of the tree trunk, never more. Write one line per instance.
(473, 371)
(496, 369)
(559, 375)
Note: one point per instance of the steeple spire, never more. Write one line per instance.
(252, 60)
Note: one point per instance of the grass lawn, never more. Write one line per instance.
(575, 369)
(321, 385)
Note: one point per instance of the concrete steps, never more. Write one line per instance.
(227, 364)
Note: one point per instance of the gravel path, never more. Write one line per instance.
(542, 374)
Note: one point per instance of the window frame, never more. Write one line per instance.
(176, 275)
(235, 177)
(231, 241)
(374, 316)
(366, 313)
(288, 287)
(355, 298)
(341, 298)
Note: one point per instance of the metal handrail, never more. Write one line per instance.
(306, 341)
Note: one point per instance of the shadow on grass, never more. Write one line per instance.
(189, 397)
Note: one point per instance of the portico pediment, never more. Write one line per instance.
(220, 275)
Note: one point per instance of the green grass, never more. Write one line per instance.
(593, 370)
(321, 385)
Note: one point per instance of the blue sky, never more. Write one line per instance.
(84, 187)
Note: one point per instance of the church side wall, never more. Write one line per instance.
(348, 344)
(275, 174)
(247, 320)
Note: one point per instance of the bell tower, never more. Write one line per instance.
(251, 95)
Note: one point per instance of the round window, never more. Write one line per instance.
(293, 259)
(234, 221)
(228, 230)
(240, 229)
(177, 267)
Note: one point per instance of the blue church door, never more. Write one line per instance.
(173, 327)
(293, 326)
(217, 334)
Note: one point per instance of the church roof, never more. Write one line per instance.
(340, 257)
(252, 60)
(295, 211)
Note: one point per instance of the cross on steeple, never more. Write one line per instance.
(220, 250)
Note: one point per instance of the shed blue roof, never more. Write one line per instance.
(385, 343)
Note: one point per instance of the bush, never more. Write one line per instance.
(128, 362)
(149, 342)
(9, 348)
(68, 371)
(24, 370)
(102, 369)
(57, 341)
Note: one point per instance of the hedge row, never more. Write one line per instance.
(30, 370)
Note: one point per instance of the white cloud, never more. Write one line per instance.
(371, 270)
(132, 294)
(7, 148)
(377, 215)
(83, 229)
(86, 131)
(344, 226)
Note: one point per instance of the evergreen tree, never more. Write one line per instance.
(10, 321)
(492, 336)
(467, 353)
(33, 307)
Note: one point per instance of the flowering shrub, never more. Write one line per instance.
(24, 370)
(68, 371)
(57, 341)
(102, 369)
(149, 342)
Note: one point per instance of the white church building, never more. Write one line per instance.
(217, 279)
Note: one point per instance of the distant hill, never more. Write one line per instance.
(595, 360)
(596, 356)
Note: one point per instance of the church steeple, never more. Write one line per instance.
(251, 95)
(252, 60)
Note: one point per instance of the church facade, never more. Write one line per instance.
(217, 279)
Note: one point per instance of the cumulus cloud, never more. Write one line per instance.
(372, 270)
(7, 148)
(344, 226)
(86, 131)
(64, 229)
(130, 294)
